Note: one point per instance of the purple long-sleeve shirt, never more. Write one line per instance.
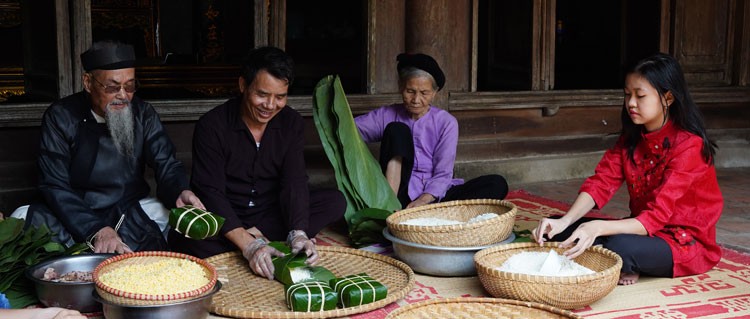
(435, 138)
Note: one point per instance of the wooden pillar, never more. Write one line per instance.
(442, 29)
(80, 12)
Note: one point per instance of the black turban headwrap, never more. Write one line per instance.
(423, 62)
(109, 57)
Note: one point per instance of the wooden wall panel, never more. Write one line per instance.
(385, 31)
(442, 29)
(704, 40)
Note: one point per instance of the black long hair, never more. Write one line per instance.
(664, 73)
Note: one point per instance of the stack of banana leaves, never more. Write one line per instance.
(20, 249)
(358, 175)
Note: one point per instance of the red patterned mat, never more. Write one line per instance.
(723, 292)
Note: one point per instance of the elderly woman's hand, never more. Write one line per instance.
(423, 199)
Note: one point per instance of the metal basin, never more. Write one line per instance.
(189, 309)
(71, 295)
(436, 260)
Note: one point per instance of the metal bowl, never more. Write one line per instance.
(436, 260)
(188, 309)
(71, 295)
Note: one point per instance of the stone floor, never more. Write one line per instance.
(733, 229)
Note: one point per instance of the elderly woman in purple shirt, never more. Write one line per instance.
(418, 141)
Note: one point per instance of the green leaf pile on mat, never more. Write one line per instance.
(20, 249)
(358, 175)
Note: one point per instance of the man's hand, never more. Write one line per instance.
(258, 255)
(107, 241)
(298, 241)
(187, 197)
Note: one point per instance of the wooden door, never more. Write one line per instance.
(703, 40)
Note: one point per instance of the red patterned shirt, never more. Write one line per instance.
(673, 193)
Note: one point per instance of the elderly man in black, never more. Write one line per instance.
(95, 145)
(249, 166)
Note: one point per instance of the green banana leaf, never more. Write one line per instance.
(325, 123)
(362, 168)
(9, 229)
(280, 246)
(367, 226)
(358, 174)
(20, 249)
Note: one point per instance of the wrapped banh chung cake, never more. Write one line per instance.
(306, 288)
(356, 290)
(310, 296)
(194, 222)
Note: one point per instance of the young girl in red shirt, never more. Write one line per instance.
(666, 160)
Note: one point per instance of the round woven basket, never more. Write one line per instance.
(478, 308)
(567, 292)
(479, 233)
(117, 296)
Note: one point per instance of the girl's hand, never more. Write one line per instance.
(582, 238)
(549, 227)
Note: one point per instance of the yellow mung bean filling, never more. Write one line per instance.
(162, 277)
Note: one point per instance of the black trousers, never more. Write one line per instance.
(640, 254)
(326, 207)
(397, 141)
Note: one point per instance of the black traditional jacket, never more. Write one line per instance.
(88, 184)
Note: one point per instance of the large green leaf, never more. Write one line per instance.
(362, 168)
(22, 294)
(28, 247)
(10, 228)
(326, 123)
(358, 174)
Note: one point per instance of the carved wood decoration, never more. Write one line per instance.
(704, 40)
(10, 14)
(211, 35)
(128, 19)
(11, 75)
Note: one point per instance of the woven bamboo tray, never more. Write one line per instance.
(567, 292)
(245, 295)
(479, 308)
(117, 296)
(480, 233)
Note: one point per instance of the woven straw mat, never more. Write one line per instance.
(478, 308)
(245, 295)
